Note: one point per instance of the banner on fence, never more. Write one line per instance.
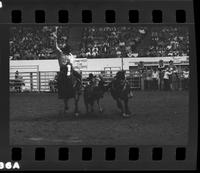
(80, 63)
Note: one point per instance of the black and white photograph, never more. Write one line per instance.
(99, 85)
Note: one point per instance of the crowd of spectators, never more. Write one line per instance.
(170, 81)
(111, 41)
(165, 77)
(35, 42)
(101, 42)
(167, 41)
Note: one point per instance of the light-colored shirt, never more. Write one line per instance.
(149, 75)
(166, 75)
(155, 75)
(186, 74)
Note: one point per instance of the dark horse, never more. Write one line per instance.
(69, 80)
(93, 92)
(69, 86)
(120, 91)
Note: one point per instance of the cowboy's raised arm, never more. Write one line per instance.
(58, 50)
(57, 47)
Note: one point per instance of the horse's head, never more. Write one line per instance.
(119, 88)
(120, 75)
(91, 76)
(96, 81)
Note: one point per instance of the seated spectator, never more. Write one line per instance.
(37, 42)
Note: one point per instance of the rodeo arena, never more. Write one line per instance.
(99, 85)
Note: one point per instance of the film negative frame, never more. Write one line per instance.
(49, 155)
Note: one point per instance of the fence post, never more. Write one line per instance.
(39, 81)
(142, 83)
(180, 84)
(31, 81)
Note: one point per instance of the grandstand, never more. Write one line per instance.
(99, 42)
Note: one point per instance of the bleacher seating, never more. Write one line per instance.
(100, 42)
(35, 42)
(166, 41)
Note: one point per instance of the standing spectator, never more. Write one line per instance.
(141, 70)
(175, 80)
(166, 78)
(173, 74)
(186, 78)
(149, 79)
(172, 67)
(180, 78)
(141, 67)
(161, 68)
(155, 77)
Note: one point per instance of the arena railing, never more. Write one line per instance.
(40, 81)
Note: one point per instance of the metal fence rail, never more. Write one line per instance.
(39, 81)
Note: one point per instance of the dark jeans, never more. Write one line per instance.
(161, 84)
(166, 84)
(155, 84)
(148, 84)
(175, 84)
(185, 84)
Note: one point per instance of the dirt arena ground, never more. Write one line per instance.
(159, 118)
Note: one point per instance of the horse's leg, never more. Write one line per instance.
(127, 111)
(86, 105)
(66, 105)
(99, 105)
(76, 99)
(119, 105)
(92, 106)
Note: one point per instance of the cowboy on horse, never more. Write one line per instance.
(69, 80)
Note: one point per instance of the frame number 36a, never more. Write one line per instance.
(9, 165)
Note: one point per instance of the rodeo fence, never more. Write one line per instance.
(40, 81)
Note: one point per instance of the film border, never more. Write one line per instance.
(98, 161)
